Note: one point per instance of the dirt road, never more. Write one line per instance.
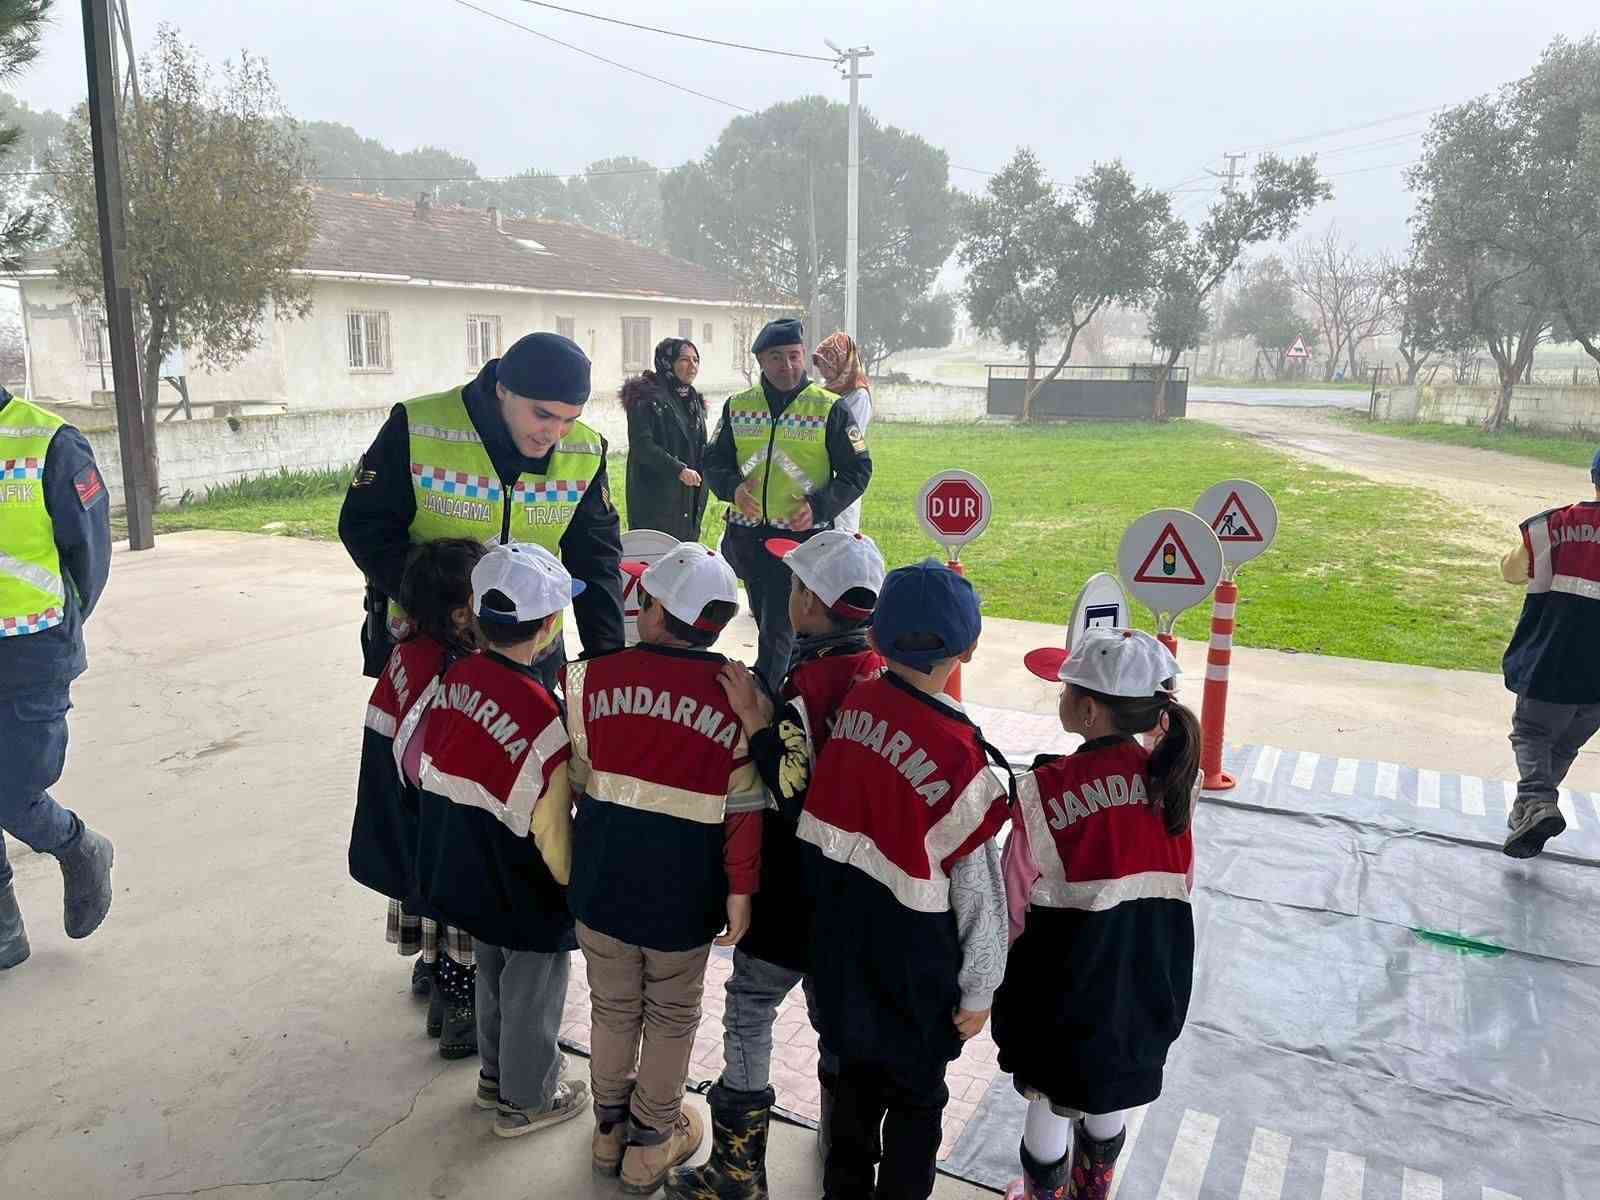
(1504, 488)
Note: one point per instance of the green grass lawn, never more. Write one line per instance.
(1569, 450)
(1359, 570)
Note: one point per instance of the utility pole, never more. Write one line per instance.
(1228, 181)
(850, 68)
(132, 437)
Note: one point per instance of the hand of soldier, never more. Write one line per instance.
(802, 518)
(749, 702)
(746, 503)
(970, 1024)
(689, 477)
(738, 920)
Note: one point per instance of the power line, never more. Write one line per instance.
(688, 37)
(610, 62)
(1317, 137)
(533, 177)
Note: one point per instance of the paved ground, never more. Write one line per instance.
(1256, 397)
(1504, 488)
(239, 1027)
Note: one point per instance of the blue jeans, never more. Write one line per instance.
(519, 1000)
(755, 989)
(33, 750)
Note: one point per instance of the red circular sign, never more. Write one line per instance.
(955, 508)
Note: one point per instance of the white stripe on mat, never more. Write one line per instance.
(1344, 1176)
(1344, 777)
(1569, 810)
(1267, 765)
(1305, 770)
(1419, 1185)
(1594, 800)
(1135, 1124)
(1472, 795)
(1490, 1193)
(1267, 1165)
(1191, 1155)
(1387, 784)
(1427, 789)
(1509, 789)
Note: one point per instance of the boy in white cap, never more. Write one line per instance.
(836, 581)
(667, 853)
(1098, 872)
(495, 834)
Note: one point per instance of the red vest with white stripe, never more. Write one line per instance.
(662, 744)
(1555, 652)
(383, 835)
(492, 742)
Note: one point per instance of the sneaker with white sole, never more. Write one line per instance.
(571, 1098)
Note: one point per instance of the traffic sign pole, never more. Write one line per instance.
(953, 688)
(954, 507)
(1214, 707)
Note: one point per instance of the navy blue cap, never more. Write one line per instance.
(1594, 468)
(928, 599)
(786, 331)
(545, 366)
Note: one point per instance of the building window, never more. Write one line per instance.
(686, 329)
(705, 339)
(368, 338)
(567, 327)
(636, 354)
(483, 339)
(96, 337)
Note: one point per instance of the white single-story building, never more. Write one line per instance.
(412, 297)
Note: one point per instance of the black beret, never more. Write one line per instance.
(786, 331)
(545, 366)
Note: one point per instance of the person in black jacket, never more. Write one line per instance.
(667, 443)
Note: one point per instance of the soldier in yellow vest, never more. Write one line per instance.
(790, 458)
(55, 554)
(502, 459)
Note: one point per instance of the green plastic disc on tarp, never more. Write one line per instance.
(1461, 945)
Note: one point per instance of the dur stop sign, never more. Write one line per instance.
(954, 507)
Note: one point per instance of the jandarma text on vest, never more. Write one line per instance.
(18, 493)
(465, 698)
(1111, 791)
(640, 701)
(400, 682)
(1575, 533)
(853, 725)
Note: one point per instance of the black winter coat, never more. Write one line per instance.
(665, 435)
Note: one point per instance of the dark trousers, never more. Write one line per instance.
(886, 1117)
(1547, 738)
(33, 751)
(767, 581)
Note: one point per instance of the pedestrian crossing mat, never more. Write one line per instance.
(1385, 1007)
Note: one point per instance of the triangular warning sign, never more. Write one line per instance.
(1234, 522)
(1298, 350)
(1172, 561)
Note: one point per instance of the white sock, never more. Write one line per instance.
(1102, 1127)
(1044, 1134)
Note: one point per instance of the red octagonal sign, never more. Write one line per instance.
(954, 507)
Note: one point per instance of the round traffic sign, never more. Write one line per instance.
(1169, 561)
(646, 546)
(1243, 517)
(954, 507)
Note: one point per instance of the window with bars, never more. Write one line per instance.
(96, 337)
(483, 339)
(636, 354)
(705, 338)
(686, 328)
(368, 338)
(567, 327)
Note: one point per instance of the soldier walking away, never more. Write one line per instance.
(55, 555)
(1553, 662)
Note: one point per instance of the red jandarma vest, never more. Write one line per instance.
(1554, 654)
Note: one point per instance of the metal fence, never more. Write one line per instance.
(1087, 393)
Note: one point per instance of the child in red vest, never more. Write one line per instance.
(494, 840)
(836, 582)
(1098, 873)
(667, 852)
(436, 592)
(909, 937)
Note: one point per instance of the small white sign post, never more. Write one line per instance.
(954, 508)
(1169, 561)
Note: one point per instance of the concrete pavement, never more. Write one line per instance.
(239, 1027)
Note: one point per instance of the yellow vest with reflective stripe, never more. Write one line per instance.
(32, 588)
(785, 459)
(459, 493)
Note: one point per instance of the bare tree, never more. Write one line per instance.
(1352, 298)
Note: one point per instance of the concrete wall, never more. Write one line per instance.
(935, 402)
(1538, 406)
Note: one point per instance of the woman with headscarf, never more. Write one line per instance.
(839, 367)
(667, 443)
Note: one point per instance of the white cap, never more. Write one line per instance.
(529, 576)
(687, 578)
(833, 562)
(1119, 662)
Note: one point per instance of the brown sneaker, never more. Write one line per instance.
(610, 1140)
(645, 1168)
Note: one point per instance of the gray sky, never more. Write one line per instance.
(1166, 85)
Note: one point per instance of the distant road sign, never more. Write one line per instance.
(1243, 517)
(1169, 561)
(1298, 351)
(954, 507)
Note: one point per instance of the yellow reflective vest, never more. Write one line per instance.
(783, 459)
(32, 584)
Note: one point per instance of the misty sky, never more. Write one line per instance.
(1166, 86)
